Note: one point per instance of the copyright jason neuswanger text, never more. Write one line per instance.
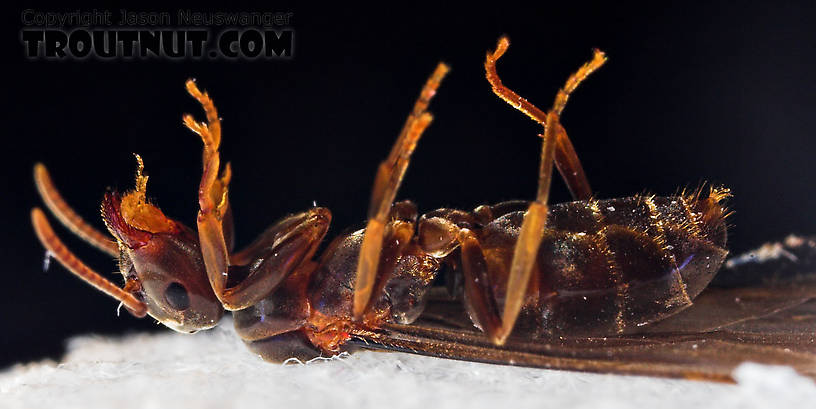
(128, 35)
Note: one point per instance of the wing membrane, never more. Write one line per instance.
(766, 321)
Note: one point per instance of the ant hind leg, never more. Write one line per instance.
(535, 219)
(566, 159)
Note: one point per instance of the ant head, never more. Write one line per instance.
(160, 258)
(161, 261)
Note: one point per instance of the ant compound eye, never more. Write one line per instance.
(176, 296)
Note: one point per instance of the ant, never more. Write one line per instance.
(531, 269)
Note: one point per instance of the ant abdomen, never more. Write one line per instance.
(609, 267)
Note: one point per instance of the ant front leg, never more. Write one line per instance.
(250, 275)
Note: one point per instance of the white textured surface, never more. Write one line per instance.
(215, 370)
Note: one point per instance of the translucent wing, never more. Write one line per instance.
(768, 319)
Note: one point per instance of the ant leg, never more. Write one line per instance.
(389, 176)
(443, 231)
(283, 249)
(272, 236)
(569, 166)
(212, 192)
(535, 219)
(396, 240)
(529, 239)
(481, 302)
(404, 274)
(252, 274)
(566, 159)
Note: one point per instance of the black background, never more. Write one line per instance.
(691, 93)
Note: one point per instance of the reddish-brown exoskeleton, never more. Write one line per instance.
(539, 271)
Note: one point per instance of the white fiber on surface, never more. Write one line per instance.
(213, 369)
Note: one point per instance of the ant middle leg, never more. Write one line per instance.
(404, 273)
(532, 229)
(388, 179)
(403, 278)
